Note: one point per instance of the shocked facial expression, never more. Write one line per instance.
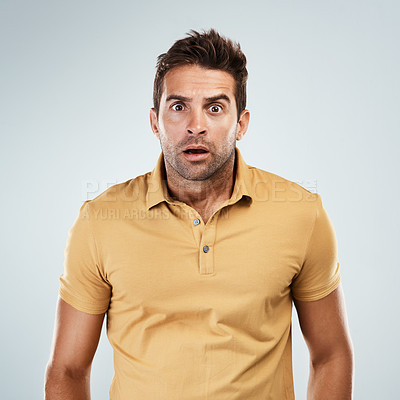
(197, 124)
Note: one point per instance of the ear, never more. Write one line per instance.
(243, 124)
(154, 122)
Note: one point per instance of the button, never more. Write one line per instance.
(205, 249)
(196, 221)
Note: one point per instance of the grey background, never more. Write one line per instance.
(76, 85)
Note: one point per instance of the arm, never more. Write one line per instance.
(324, 326)
(76, 338)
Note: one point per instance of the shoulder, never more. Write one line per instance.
(267, 186)
(130, 190)
(129, 194)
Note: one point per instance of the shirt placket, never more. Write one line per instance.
(204, 235)
(207, 247)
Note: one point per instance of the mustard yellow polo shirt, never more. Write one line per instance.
(200, 311)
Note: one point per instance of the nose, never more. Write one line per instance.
(197, 123)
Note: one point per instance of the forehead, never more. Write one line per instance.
(193, 80)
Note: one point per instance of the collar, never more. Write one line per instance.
(157, 191)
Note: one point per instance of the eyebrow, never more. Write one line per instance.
(218, 97)
(178, 97)
(207, 99)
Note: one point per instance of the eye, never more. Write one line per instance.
(215, 109)
(177, 107)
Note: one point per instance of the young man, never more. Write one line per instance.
(197, 263)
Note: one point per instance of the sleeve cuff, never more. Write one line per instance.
(317, 294)
(83, 305)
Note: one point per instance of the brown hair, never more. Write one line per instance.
(209, 50)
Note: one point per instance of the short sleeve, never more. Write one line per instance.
(319, 274)
(82, 285)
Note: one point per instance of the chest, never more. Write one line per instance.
(178, 263)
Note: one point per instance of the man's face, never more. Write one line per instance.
(197, 123)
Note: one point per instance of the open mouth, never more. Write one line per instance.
(195, 151)
(196, 155)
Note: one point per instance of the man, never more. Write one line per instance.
(197, 263)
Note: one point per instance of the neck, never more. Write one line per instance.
(204, 196)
